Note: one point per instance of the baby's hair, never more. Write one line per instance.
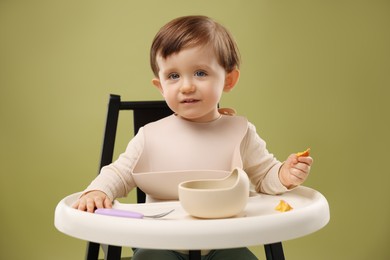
(192, 31)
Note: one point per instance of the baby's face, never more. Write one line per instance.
(192, 82)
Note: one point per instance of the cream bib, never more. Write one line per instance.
(177, 150)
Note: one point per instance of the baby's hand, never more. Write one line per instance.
(91, 200)
(295, 170)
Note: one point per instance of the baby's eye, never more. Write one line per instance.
(200, 74)
(173, 76)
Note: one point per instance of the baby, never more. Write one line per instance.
(194, 60)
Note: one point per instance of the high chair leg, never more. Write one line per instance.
(274, 251)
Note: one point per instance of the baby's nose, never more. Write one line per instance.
(187, 88)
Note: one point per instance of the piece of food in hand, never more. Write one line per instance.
(283, 206)
(304, 153)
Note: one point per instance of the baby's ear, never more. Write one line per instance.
(231, 80)
(157, 83)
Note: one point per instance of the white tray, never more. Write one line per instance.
(259, 224)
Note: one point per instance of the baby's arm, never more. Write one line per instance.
(114, 181)
(295, 170)
(91, 200)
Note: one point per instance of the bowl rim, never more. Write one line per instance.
(234, 171)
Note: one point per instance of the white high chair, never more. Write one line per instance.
(259, 224)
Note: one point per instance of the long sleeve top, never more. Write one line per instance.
(117, 179)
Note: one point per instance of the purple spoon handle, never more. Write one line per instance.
(119, 213)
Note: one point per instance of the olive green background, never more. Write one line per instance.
(314, 73)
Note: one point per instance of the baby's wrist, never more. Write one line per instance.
(284, 180)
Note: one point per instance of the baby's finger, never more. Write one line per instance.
(82, 204)
(292, 159)
(90, 205)
(303, 167)
(98, 202)
(296, 181)
(298, 176)
(107, 203)
(75, 205)
(307, 160)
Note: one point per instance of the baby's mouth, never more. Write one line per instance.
(189, 100)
